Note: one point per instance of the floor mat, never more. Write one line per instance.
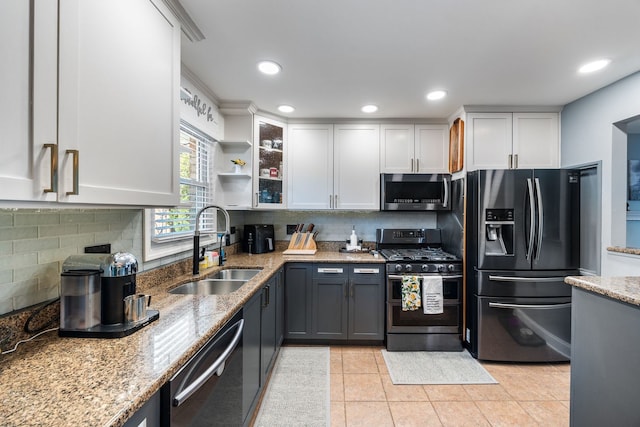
(435, 367)
(298, 393)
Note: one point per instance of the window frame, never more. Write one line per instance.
(155, 247)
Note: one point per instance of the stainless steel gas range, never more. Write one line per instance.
(418, 253)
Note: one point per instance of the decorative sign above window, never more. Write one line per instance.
(197, 109)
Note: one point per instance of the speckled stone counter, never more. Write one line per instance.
(623, 250)
(625, 289)
(57, 381)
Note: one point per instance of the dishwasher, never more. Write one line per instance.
(207, 390)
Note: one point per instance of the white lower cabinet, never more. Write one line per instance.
(105, 94)
(333, 166)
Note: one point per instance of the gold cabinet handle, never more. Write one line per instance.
(510, 161)
(76, 163)
(515, 161)
(53, 187)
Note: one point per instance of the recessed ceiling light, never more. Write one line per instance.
(286, 109)
(269, 67)
(436, 94)
(594, 66)
(370, 108)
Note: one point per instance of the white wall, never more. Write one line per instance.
(587, 136)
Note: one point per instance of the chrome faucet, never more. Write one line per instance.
(196, 236)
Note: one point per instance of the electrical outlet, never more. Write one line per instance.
(291, 228)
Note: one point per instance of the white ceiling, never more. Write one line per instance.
(338, 55)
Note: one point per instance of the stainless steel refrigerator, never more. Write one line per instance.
(521, 241)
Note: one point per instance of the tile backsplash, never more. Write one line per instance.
(35, 242)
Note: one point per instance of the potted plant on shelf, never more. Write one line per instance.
(237, 165)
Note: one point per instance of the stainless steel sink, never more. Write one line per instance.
(209, 287)
(221, 283)
(235, 274)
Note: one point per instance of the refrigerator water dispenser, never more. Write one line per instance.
(499, 232)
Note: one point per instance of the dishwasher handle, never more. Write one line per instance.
(185, 391)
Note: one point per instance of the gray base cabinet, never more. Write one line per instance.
(251, 355)
(268, 343)
(260, 341)
(605, 342)
(297, 301)
(334, 302)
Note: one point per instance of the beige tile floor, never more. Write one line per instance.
(527, 395)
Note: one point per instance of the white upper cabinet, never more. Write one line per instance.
(536, 140)
(119, 79)
(357, 167)
(22, 144)
(512, 140)
(105, 119)
(310, 166)
(333, 167)
(432, 148)
(397, 149)
(414, 149)
(269, 172)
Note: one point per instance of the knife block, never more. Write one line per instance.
(301, 244)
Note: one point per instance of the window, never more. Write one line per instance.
(167, 226)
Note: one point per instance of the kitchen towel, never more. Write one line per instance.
(432, 295)
(410, 293)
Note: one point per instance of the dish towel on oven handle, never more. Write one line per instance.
(411, 293)
(432, 295)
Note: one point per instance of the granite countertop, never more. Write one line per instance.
(101, 382)
(625, 289)
(624, 250)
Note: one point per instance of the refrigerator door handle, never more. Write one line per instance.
(532, 219)
(530, 306)
(540, 210)
(525, 279)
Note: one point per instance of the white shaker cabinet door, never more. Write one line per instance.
(489, 138)
(119, 75)
(536, 141)
(25, 163)
(397, 153)
(357, 167)
(432, 149)
(310, 166)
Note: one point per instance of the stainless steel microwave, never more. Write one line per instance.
(415, 192)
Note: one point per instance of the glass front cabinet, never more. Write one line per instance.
(269, 164)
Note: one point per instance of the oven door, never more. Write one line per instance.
(416, 321)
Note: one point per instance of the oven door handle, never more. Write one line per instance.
(185, 392)
(529, 306)
(444, 276)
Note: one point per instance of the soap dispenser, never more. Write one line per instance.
(353, 238)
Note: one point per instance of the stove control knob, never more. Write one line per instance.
(407, 267)
(398, 267)
(425, 267)
(451, 267)
(442, 268)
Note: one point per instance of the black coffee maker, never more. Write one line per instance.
(79, 295)
(258, 238)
